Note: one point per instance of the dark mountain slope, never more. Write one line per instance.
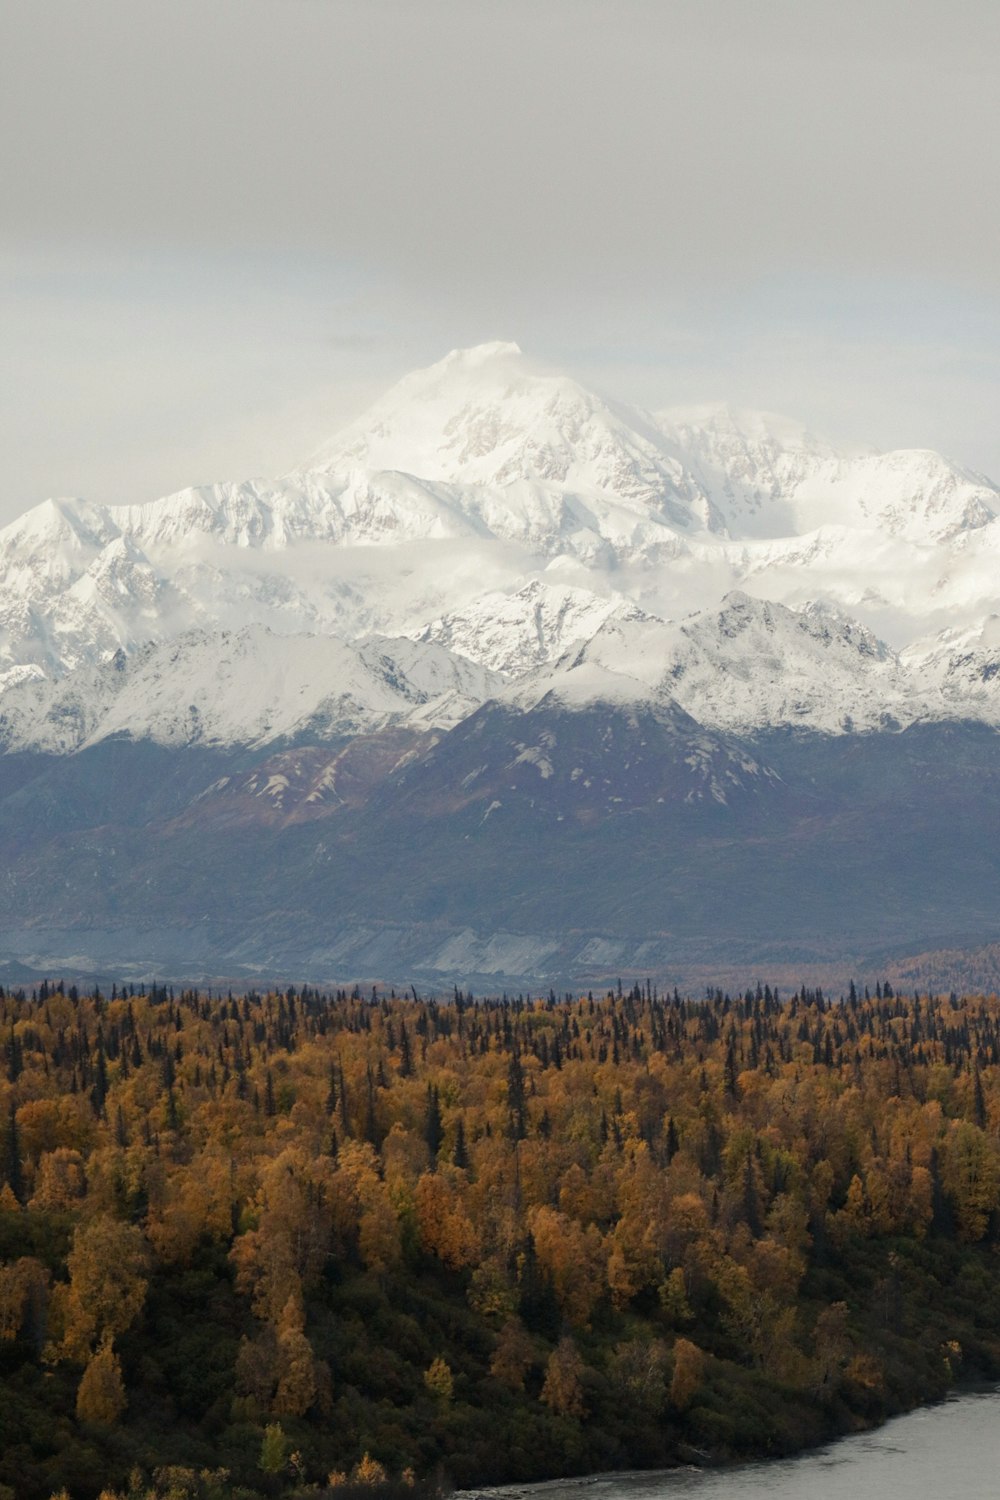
(520, 845)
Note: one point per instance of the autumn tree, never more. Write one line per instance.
(101, 1396)
(563, 1387)
(513, 1355)
(107, 1286)
(296, 1363)
(439, 1381)
(688, 1372)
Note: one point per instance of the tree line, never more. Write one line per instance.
(296, 1243)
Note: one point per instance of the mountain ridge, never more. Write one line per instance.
(530, 481)
(594, 689)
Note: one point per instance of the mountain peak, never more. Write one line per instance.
(487, 417)
(481, 354)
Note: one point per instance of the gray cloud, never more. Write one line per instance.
(613, 183)
(471, 143)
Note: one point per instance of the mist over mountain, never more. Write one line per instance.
(510, 679)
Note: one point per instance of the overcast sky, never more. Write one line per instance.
(225, 225)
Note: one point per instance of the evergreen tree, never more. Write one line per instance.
(433, 1126)
(13, 1167)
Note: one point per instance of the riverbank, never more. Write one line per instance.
(951, 1448)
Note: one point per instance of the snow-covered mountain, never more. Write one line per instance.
(769, 477)
(961, 668)
(491, 529)
(514, 632)
(249, 687)
(483, 418)
(747, 665)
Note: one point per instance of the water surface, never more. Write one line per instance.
(946, 1452)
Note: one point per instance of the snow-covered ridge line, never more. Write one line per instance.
(746, 667)
(512, 518)
(249, 687)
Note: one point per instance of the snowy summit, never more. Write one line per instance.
(488, 528)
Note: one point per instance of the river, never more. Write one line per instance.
(946, 1452)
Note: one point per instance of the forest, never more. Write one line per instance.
(348, 1244)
